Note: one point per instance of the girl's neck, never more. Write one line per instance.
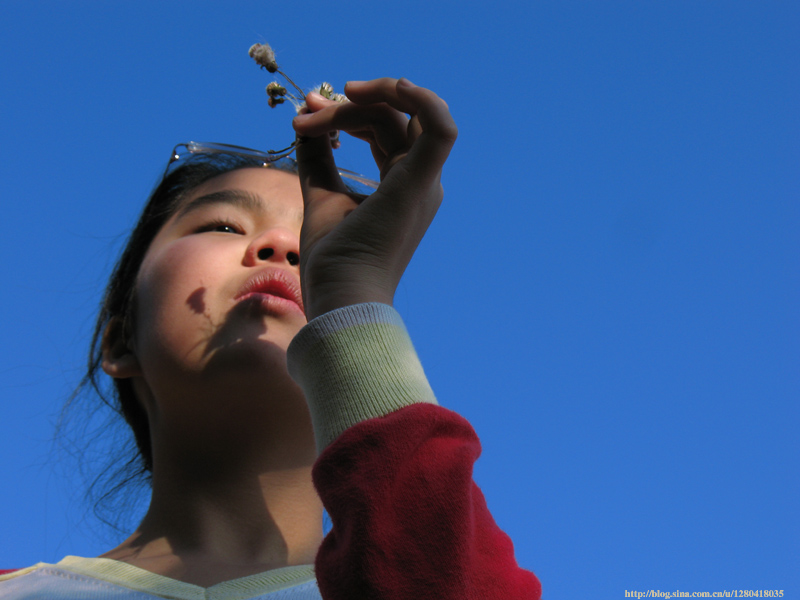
(205, 536)
(231, 498)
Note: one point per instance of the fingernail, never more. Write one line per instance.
(353, 83)
(405, 82)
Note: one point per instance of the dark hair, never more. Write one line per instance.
(119, 304)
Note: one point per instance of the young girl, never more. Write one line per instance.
(249, 332)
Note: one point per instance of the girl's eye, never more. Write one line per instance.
(220, 227)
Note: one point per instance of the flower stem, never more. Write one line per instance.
(286, 77)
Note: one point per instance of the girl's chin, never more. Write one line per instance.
(255, 352)
(247, 323)
(241, 342)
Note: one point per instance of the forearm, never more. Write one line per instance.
(395, 472)
(355, 364)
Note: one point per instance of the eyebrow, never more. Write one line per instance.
(238, 198)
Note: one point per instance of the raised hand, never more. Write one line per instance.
(356, 249)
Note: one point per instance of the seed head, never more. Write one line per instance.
(275, 90)
(325, 89)
(264, 56)
(278, 94)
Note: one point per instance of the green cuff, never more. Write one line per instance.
(353, 364)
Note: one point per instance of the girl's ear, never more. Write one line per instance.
(119, 361)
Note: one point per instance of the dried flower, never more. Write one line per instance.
(278, 94)
(264, 56)
(275, 90)
(325, 90)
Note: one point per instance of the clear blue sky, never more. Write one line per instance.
(609, 293)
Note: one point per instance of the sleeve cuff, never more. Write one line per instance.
(353, 364)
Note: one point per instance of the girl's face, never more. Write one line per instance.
(219, 288)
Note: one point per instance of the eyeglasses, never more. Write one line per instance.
(277, 159)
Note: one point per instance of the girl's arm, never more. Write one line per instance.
(395, 470)
(355, 250)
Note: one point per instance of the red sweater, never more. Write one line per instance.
(408, 520)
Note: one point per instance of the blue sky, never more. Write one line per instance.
(609, 293)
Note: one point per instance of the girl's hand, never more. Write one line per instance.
(356, 249)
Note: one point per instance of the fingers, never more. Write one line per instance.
(431, 132)
(375, 114)
(404, 96)
(379, 90)
(383, 127)
(435, 131)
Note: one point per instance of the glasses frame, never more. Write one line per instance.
(355, 182)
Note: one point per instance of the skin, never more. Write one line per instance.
(233, 445)
(232, 439)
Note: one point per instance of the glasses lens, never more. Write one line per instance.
(212, 148)
(356, 183)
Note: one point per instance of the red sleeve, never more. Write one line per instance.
(408, 521)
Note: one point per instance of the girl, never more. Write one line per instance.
(249, 332)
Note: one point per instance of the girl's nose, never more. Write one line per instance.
(277, 245)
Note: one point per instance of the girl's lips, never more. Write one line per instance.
(275, 288)
(272, 304)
